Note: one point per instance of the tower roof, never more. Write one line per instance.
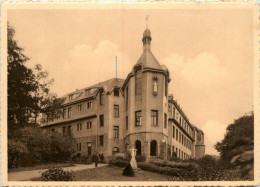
(147, 59)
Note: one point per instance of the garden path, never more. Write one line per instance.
(27, 175)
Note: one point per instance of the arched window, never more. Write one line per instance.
(116, 92)
(138, 146)
(153, 148)
(115, 150)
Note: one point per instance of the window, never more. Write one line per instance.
(102, 97)
(101, 120)
(89, 148)
(69, 112)
(180, 121)
(173, 131)
(173, 150)
(115, 131)
(101, 140)
(173, 112)
(115, 150)
(64, 113)
(70, 97)
(126, 98)
(116, 111)
(177, 134)
(138, 146)
(126, 123)
(180, 137)
(165, 120)
(138, 118)
(63, 130)
(155, 85)
(79, 127)
(166, 86)
(154, 117)
(89, 105)
(176, 152)
(153, 148)
(89, 125)
(78, 146)
(87, 92)
(79, 107)
(199, 136)
(116, 92)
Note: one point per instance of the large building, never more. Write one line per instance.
(116, 115)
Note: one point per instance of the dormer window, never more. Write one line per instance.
(155, 85)
(116, 92)
(87, 91)
(70, 97)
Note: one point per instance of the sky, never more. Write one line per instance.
(209, 53)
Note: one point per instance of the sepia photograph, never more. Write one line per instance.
(154, 93)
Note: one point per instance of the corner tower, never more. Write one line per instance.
(146, 91)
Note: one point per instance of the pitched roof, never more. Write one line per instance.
(107, 85)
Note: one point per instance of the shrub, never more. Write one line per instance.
(120, 156)
(57, 174)
(17, 153)
(157, 169)
(32, 145)
(140, 158)
(128, 171)
(118, 162)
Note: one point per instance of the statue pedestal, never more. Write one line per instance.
(133, 161)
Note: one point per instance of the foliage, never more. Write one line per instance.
(204, 169)
(140, 158)
(20, 84)
(17, 151)
(32, 145)
(58, 174)
(28, 89)
(146, 166)
(118, 162)
(240, 133)
(128, 171)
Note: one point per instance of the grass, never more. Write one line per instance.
(40, 166)
(113, 173)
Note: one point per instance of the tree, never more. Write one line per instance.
(240, 133)
(29, 92)
(44, 101)
(20, 84)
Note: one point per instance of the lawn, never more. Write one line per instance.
(113, 173)
(40, 166)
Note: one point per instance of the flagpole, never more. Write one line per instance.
(116, 67)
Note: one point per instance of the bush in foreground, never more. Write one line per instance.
(128, 171)
(58, 174)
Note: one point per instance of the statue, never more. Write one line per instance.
(133, 161)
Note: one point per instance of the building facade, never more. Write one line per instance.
(117, 115)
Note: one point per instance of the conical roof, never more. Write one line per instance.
(149, 61)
